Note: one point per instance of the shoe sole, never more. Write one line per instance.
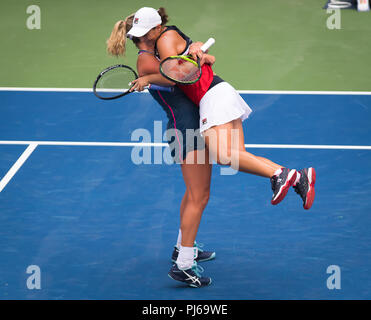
(311, 192)
(285, 188)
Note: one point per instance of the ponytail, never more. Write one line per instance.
(163, 15)
(116, 43)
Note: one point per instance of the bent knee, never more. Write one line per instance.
(228, 157)
(200, 198)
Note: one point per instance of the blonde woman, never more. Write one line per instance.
(182, 115)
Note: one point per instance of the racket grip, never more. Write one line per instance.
(207, 44)
(160, 88)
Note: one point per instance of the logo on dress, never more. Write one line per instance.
(204, 121)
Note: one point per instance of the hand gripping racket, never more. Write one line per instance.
(183, 69)
(114, 82)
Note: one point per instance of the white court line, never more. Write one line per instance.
(159, 144)
(239, 91)
(365, 93)
(47, 89)
(87, 144)
(33, 144)
(16, 166)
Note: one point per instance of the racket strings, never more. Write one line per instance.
(118, 78)
(181, 70)
(114, 82)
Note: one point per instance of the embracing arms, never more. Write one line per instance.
(148, 65)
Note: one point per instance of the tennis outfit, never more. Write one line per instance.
(219, 102)
(222, 104)
(182, 115)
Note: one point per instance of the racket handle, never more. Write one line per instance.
(207, 44)
(160, 88)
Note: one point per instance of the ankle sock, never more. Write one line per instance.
(179, 240)
(277, 172)
(186, 257)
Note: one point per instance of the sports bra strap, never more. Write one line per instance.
(143, 51)
(186, 38)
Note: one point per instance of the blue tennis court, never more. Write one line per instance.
(102, 227)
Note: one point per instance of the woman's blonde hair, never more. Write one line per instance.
(116, 43)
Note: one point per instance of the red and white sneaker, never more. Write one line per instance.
(281, 184)
(305, 186)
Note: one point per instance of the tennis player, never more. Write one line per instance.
(182, 115)
(222, 111)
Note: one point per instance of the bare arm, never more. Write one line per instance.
(154, 78)
(170, 44)
(208, 59)
(147, 64)
(148, 71)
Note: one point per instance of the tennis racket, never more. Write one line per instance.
(183, 69)
(115, 82)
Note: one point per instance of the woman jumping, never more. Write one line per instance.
(222, 111)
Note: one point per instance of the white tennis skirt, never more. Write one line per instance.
(220, 105)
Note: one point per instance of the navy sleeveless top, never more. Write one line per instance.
(186, 38)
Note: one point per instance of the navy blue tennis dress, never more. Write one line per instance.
(182, 114)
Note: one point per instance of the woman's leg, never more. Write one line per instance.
(305, 178)
(226, 145)
(237, 124)
(197, 178)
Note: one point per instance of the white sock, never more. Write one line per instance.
(179, 240)
(298, 175)
(277, 172)
(186, 257)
